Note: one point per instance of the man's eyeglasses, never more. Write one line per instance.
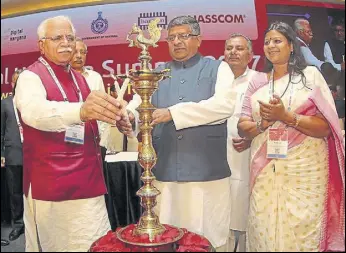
(181, 37)
(60, 38)
(339, 30)
(82, 52)
(309, 32)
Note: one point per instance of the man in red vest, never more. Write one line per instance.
(64, 207)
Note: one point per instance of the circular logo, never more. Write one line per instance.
(100, 25)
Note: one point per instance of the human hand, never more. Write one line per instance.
(101, 106)
(161, 116)
(241, 144)
(3, 160)
(124, 125)
(274, 111)
(265, 124)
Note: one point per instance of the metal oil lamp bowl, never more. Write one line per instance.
(145, 83)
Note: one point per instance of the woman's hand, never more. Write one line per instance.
(265, 124)
(274, 111)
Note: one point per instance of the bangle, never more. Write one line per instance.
(297, 117)
(259, 128)
(296, 121)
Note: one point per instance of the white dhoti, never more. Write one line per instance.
(239, 215)
(200, 207)
(67, 226)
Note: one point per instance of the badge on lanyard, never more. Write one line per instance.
(75, 134)
(277, 147)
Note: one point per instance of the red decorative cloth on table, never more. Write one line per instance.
(190, 242)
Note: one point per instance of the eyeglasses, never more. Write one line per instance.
(82, 52)
(339, 30)
(181, 37)
(60, 38)
(309, 32)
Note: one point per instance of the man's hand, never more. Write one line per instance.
(124, 125)
(241, 144)
(3, 162)
(131, 116)
(343, 66)
(161, 116)
(101, 106)
(124, 103)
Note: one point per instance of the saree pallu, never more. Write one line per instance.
(298, 204)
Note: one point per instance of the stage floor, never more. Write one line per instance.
(15, 246)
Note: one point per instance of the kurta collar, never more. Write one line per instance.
(302, 41)
(56, 67)
(245, 73)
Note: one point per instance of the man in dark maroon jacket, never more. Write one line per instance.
(64, 207)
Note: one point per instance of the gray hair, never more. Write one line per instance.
(81, 40)
(186, 20)
(42, 28)
(298, 24)
(237, 35)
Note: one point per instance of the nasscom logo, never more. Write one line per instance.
(220, 18)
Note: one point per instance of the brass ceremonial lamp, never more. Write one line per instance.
(145, 83)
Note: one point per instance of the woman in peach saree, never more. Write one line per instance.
(297, 203)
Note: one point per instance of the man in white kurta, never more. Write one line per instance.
(195, 193)
(111, 138)
(305, 36)
(62, 212)
(238, 54)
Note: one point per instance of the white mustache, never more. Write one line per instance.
(65, 50)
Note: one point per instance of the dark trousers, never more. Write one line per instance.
(103, 155)
(14, 177)
(104, 164)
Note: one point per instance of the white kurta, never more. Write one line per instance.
(94, 80)
(56, 226)
(201, 207)
(66, 226)
(309, 57)
(239, 162)
(110, 136)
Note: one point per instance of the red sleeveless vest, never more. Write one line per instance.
(57, 170)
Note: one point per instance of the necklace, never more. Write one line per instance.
(288, 83)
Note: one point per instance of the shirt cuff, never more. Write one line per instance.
(72, 115)
(174, 110)
(131, 109)
(338, 67)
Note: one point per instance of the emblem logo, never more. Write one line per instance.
(100, 25)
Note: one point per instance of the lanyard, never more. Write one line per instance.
(45, 63)
(18, 122)
(271, 90)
